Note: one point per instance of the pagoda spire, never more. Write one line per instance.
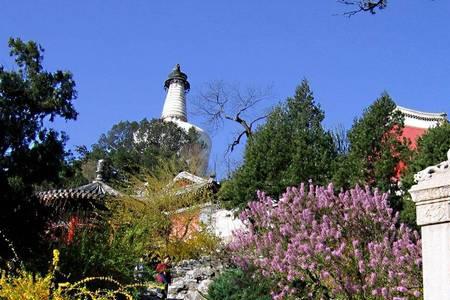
(176, 86)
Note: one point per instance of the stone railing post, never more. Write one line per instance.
(431, 195)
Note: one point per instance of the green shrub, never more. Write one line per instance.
(26, 285)
(143, 228)
(104, 251)
(234, 284)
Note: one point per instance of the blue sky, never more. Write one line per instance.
(120, 53)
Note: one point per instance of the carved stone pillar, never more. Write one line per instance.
(431, 195)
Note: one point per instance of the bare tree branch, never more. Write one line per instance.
(219, 101)
(257, 119)
(340, 137)
(236, 142)
(364, 6)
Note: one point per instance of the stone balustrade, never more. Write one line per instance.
(431, 195)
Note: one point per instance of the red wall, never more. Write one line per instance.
(413, 133)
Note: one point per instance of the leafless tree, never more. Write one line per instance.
(340, 137)
(364, 6)
(218, 101)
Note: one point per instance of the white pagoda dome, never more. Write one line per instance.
(174, 110)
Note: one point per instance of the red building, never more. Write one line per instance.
(418, 122)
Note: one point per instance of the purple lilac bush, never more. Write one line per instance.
(319, 245)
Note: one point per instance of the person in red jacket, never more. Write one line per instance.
(163, 274)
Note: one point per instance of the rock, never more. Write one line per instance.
(191, 278)
(203, 286)
(193, 295)
(191, 284)
(152, 294)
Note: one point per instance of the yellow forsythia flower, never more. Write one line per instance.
(55, 257)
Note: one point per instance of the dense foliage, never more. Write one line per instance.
(135, 147)
(236, 284)
(32, 157)
(375, 148)
(144, 228)
(291, 147)
(431, 149)
(31, 154)
(317, 245)
(25, 285)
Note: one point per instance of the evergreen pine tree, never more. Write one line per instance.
(32, 153)
(292, 147)
(136, 147)
(377, 149)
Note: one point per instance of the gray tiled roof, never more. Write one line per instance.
(86, 195)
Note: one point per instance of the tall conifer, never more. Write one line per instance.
(377, 149)
(290, 148)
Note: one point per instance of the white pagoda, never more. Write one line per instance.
(174, 110)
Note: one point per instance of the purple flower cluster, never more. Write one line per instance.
(319, 245)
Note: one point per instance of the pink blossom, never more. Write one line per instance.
(350, 243)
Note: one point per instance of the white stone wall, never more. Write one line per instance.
(431, 195)
(420, 119)
(436, 261)
(425, 124)
(221, 222)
